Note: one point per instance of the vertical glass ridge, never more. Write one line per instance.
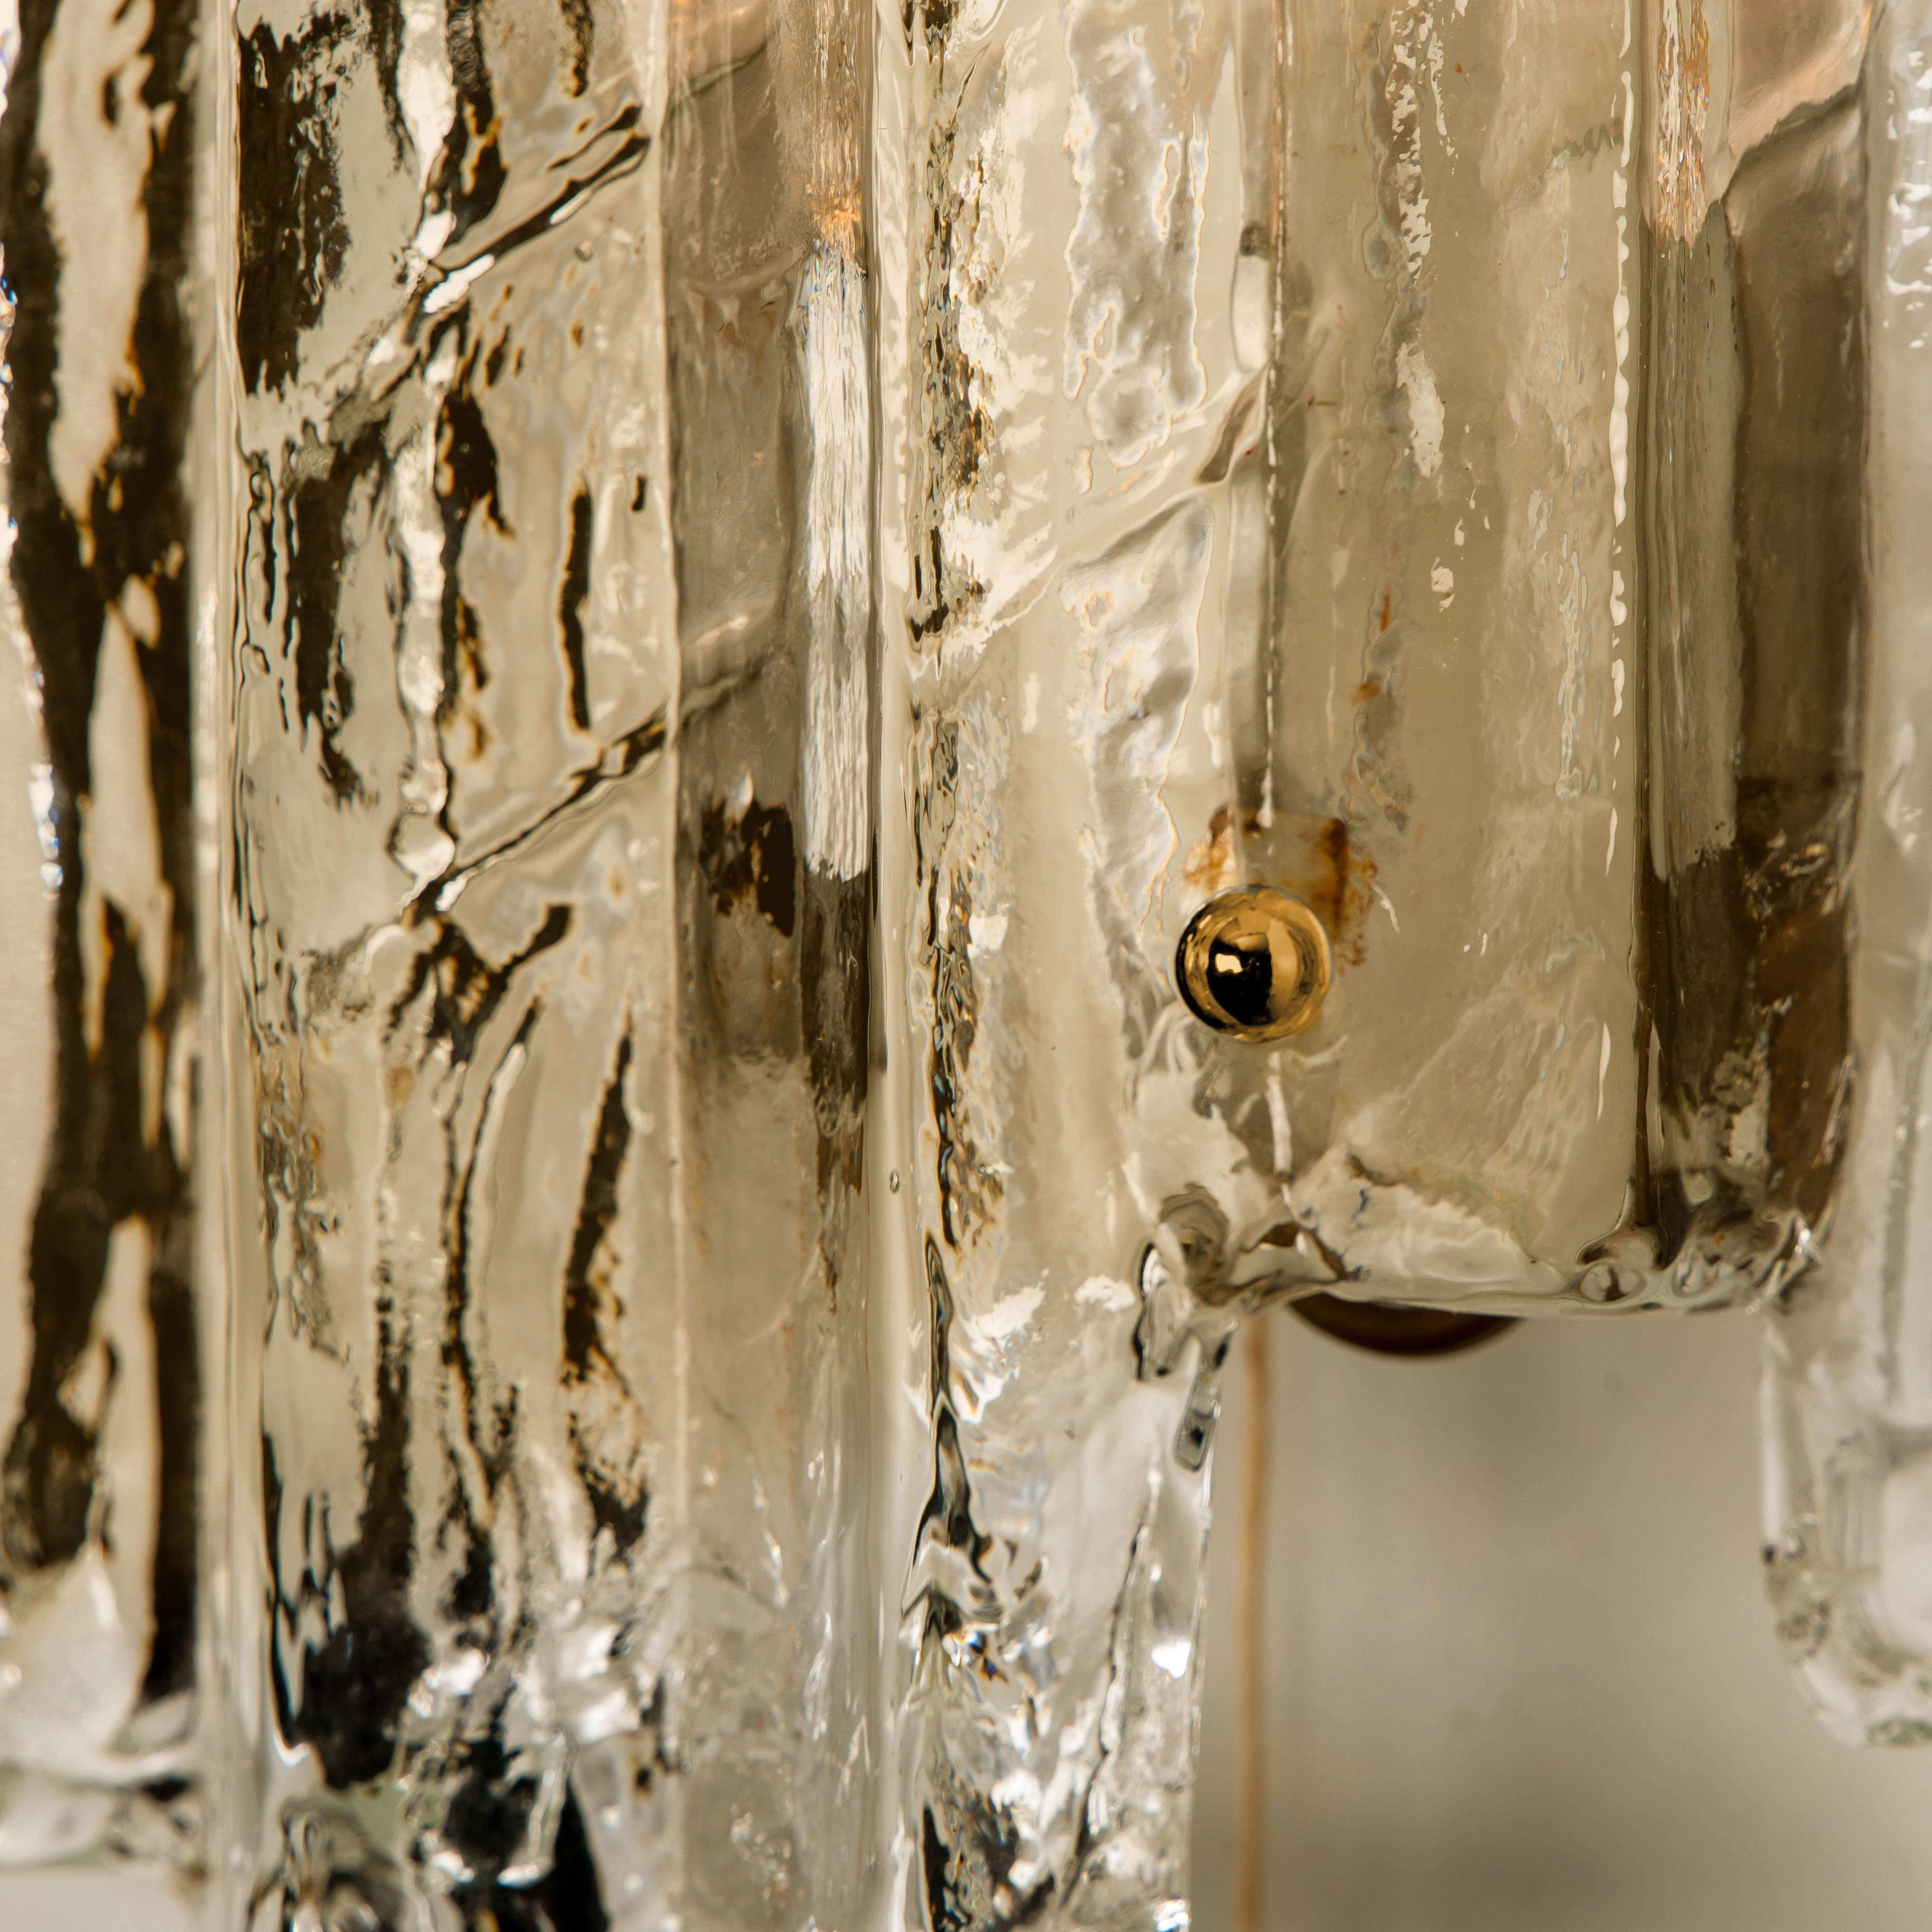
(103, 1575)
(451, 699)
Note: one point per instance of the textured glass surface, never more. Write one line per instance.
(1059, 360)
(751, 570)
(550, 875)
(1506, 613)
(1551, 711)
(104, 1583)
(1848, 1388)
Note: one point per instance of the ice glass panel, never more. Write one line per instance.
(1071, 362)
(1550, 714)
(1848, 1383)
(550, 855)
(104, 1377)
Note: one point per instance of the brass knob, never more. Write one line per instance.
(1255, 965)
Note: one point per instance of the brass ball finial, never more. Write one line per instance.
(1254, 964)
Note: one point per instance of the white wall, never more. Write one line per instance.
(1520, 1676)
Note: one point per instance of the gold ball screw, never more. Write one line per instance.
(1255, 965)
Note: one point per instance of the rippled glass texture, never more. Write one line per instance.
(1848, 1389)
(550, 871)
(1556, 439)
(643, 624)
(105, 1327)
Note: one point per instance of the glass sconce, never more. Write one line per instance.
(761, 747)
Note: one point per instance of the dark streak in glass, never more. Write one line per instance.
(570, 605)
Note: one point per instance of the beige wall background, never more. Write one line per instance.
(1519, 1673)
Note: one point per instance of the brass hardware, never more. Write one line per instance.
(1387, 1330)
(1255, 964)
